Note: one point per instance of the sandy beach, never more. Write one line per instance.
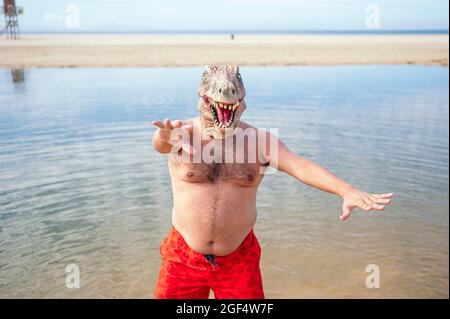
(93, 50)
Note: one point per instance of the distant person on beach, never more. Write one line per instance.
(216, 163)
(232, 36)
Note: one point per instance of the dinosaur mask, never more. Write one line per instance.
(221, 101)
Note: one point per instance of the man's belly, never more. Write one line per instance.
(214, 220)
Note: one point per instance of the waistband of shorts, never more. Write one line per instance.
(176, 244)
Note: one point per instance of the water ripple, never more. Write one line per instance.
(81, 184)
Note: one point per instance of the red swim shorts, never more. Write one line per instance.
(186, 274)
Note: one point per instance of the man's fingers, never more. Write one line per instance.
(364, 206)
(388, 195)
(183, 125)
(377, 207)
(177, 123)
(158, 124)
(366, 202)
(381, 200)
(346, 212)
(374, 203)
(167, 124)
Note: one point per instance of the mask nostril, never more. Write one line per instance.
(233, 91)
(220, 90)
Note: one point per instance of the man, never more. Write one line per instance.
(216, 164)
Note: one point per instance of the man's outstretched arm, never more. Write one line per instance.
(316, 176)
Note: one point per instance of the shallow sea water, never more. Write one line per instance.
(80, 183)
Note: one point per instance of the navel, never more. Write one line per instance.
(250, 177)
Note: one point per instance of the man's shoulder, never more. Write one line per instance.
(244, 126)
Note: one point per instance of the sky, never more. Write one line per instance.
(230, 15)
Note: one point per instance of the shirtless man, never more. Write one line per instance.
(212, 244)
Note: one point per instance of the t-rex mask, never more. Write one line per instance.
(221, 101)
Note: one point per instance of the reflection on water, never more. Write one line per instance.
(81, 184)
(18, 75)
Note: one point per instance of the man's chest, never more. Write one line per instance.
(245, 174)
(228, 160)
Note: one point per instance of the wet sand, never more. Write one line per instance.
(93, 50)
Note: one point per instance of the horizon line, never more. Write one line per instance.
(365, 31)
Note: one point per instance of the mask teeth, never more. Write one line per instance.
(216, 118)
(226, 106)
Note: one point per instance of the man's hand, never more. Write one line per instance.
(166, 127)
(163, 139)
(355, 198)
